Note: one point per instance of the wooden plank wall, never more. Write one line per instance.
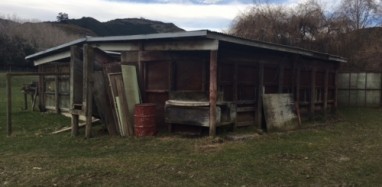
(311, 81)
(172, 71)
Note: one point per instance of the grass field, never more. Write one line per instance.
(347, 152)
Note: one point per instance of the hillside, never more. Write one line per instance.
(19, 39)
(127, 26)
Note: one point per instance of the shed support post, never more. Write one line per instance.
(326, 90)
(336, 90)
(259, 110)
(25, 100)
(298, 86)
(281, 79)
(56, 92)
(41, 87)
(213, 91)
(380, 91)
(75, 86)
(9, 104)
(88, 84)
(312, 93)
(235, 88)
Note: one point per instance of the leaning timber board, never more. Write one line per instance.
(132, 93)
(107, 69)
(102, 102)
(117, 91)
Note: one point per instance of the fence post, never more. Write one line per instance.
(380, 91)
(9, 104)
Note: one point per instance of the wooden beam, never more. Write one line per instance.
(213, 91)
(88, 84)
(65, 129)
(326, 90)
(312, 92)
(56, 92)
(75, 124)
(380, 90)
(75, 97)
(235, 89)
(365, 102)
(235, 82)
(260, 91)
(297, 84)
(25, 100)
(281, 78)
(336, 89)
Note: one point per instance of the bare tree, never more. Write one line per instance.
(278, 24)
(359, 13)
(264, 23)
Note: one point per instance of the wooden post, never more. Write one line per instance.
(326, 90)
(213, 91)
(88, 84)
(235, 89)
(312, 92)
(235, 82)
(75, 86)
(281, 79)
(336, 90)
(9, 104)
(259, 110)
(380, 91)
(41, 87)
(9, 94)
(365, 103)
(25, 100)
(298, 86)
(56, 93)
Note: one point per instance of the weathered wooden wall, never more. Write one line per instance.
(244, 74)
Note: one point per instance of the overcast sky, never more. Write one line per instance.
(188, 14)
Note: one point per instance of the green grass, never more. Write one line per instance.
(346, 152)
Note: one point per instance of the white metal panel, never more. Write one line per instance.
(52, 58)
(187, 45)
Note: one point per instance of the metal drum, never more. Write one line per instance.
(145, 119)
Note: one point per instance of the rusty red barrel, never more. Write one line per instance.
(145, 119)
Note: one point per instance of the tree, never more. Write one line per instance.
(261, 23)
(62, 17)
(299, 26)
(359, 13)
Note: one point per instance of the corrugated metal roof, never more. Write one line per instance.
(190, 34)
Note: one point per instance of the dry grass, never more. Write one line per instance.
(344, 153)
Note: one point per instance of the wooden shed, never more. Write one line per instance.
(196, 78)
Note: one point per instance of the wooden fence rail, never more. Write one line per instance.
(9, 93)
